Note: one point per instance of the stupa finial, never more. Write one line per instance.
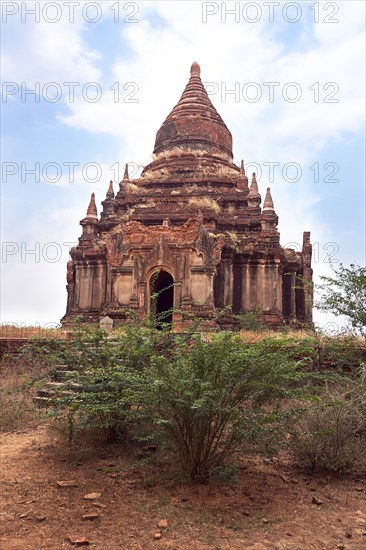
(195, 69)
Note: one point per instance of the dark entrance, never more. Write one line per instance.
(162, 297)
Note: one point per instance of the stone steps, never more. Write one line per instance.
(62, 384)
(63, 375)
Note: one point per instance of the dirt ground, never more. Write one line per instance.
(271, 507)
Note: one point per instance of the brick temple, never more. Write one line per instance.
(190, 238)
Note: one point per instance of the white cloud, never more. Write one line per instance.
(43, 52)
(160, 64)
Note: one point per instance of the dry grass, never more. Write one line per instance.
(191, 188)
(178, 151)
(186, 190)
(164, 155)
(218, 170)
(251, 336)
(204, 202)
(19, 383)
(14, 331)
(225, 171)
(233, 236)
(158, 175)
(150, 204)
(133, 188)
(148, 176)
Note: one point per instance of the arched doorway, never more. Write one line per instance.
(162, 297)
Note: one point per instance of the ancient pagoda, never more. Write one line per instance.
(190, 238)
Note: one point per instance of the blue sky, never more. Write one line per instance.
(136, 56)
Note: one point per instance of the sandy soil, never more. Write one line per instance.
(272, 506)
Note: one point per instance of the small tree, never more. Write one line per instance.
(208, 398)
(345, 294)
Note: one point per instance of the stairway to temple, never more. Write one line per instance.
(62, 383)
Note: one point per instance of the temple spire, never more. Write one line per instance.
(126, 176)
(122, 184)
(89, 223)
(194, 122)
(269, 219)
(253, 192)
(110, 192)
(92, 208)
(268, 202)
(254, 198)
(242, 179)
(108, 213)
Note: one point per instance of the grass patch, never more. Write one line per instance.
(19, 385)
(204, 202)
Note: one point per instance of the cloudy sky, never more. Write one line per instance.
(86, 86)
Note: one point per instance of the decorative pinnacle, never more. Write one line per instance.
(242, 179)
(253, 192)
(110, 192)
(126, 177)
(268, 202)
(195, 69)
(92, 208)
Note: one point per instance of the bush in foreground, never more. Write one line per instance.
(205, 399)
(331, 435)
(209, 399)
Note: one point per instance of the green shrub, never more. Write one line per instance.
(205, 400)
(103, 391)
(209, 398)
(251, 320)
(345, 294)
(331, 436)
(226, 475)
(40, 353)
(345, 353)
